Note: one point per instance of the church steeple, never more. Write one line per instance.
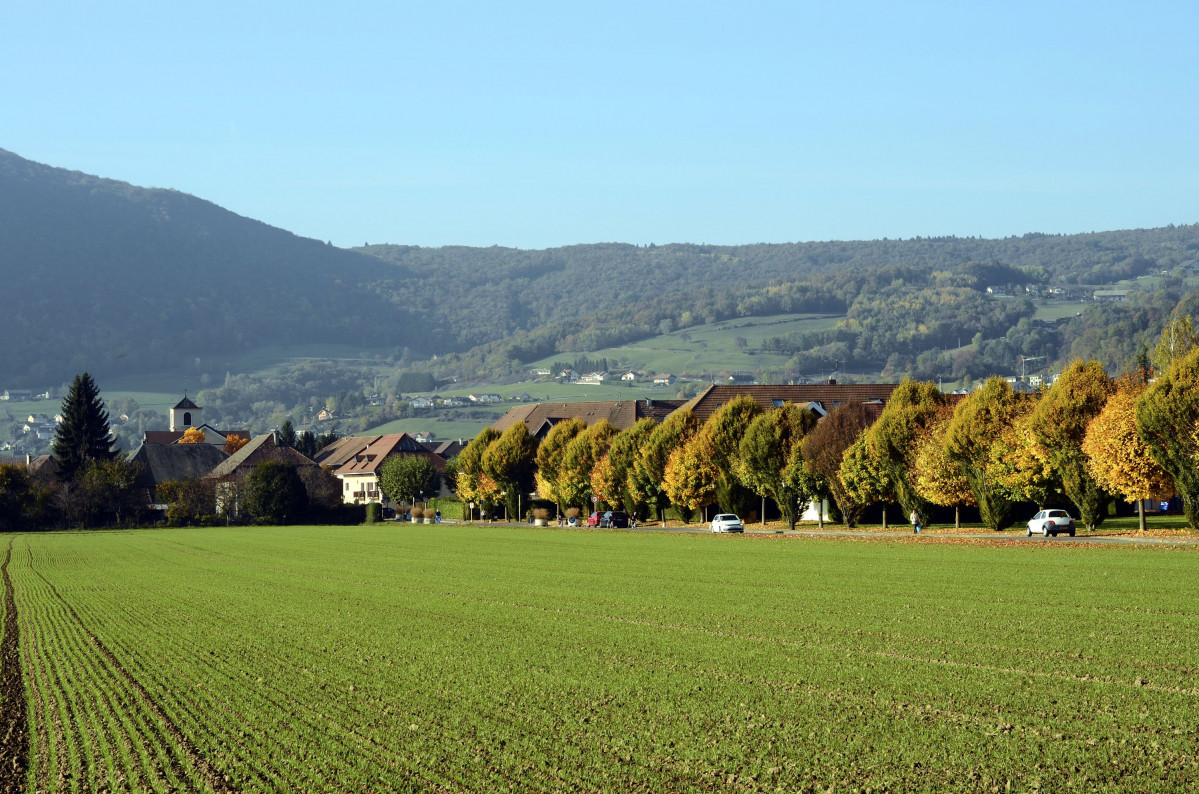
(186, 414)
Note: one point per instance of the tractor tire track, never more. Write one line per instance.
(14, 721)
(210, 775)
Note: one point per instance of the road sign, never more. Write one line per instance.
(594, 499)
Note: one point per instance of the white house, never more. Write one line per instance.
(664, 380)
(629, 376)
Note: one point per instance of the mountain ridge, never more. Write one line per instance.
(153, 276)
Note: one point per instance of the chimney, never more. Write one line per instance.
(832, 381)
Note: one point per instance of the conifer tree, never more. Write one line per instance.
(84, 433)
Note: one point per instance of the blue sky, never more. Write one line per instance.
(542, 124)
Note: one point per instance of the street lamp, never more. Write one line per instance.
(504, 496)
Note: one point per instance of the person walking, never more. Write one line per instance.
(915, 519)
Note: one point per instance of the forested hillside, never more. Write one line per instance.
(100, 275)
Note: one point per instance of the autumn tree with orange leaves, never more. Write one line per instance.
(193, 435)
(1117, 457)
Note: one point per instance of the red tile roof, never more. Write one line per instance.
(366, 459)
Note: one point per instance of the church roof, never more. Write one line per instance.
(186, 403)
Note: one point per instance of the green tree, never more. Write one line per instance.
(724, 431)
(1177, 340)
(84, 433)
(550, 454)
(511, 462)
(578, 460)
(977, 421)
(866, 476)
(1021, 465)
(114, 483)
(470, 466)
(1060, 422)
(306, 443)
(824, 450)
(771, 462)
(610, 477)
(275, 493)
(405, 477)
(648, 473)
(15, 495)
(286, 437)
(935, 476)
(1167, 414)
(188, 500)
(913, 406)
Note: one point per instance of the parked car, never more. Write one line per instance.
(615, 519)
(1050, 522)
(727, 522)
(593, 520)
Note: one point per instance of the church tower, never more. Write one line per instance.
(186, 414)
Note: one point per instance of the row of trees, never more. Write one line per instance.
(1086, 440)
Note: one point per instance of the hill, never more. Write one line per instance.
(115, 279)
(105, 276)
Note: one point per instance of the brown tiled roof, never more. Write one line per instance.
(342, 450)
(827, 396)
(368, 459)
(623, 414)
(256, 451)
(448, 449)
(41, 468)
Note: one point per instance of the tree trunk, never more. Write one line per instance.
(957, 516)
(1141, 515)
(884, 517)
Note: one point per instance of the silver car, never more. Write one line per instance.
(727, 522)
(1051, 522)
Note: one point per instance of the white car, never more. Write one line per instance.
(1051, 522)
(727, 522)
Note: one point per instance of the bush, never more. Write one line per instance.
(541, 513)
(573, 512)
(374, 513)
(450, 508)
(418, 512)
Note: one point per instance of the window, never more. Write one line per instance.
(187, 418)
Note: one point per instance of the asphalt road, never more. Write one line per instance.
(1131, 539)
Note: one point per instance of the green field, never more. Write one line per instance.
(709, 348)
(405, 657)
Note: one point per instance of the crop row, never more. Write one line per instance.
(469, 658)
